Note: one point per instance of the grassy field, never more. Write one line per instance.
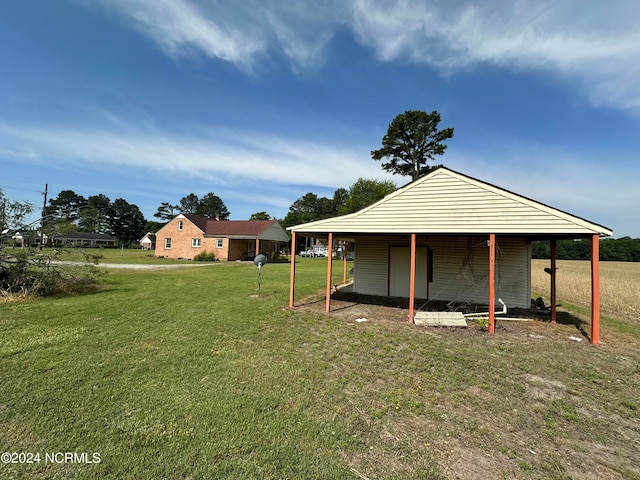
(619, 289)
(115, 255)
(188, 374)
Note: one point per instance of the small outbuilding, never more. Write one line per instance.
(451, 237)
(148, 242)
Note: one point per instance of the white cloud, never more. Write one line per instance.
(181, 28)
(592, 43)
(225, 156)
(240, 32)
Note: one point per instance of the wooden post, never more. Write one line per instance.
(553, 280)
(329, 265)
(412, 278)
(257, 246)
(595, 289)
(492, 286)
(292, 279)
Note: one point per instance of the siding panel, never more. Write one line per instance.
(460, 268)
(370, 274)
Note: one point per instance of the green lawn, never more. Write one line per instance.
(187, 374)
(115, 255)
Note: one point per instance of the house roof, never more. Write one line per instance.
(448, 202)
(148, 236)
(260, 229)
(86, 236)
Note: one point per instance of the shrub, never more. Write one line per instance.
(26, 272)
(205, 257)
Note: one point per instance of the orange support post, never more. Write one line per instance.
(292, 278)
(595, 289)
(329, 265)
(492, 286)
(257, 246)
(412, 278)
(553, 280)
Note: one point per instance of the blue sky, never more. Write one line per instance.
(263, 101)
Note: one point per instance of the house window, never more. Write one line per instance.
(180, 224)
(219, 243)
(195, 242)
(167, 242)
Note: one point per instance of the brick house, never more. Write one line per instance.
(187, 235)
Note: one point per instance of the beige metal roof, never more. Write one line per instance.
(446, 202)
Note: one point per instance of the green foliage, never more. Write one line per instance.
(24, 272)
(340, 197)
(94, 217)
(482, 323)
(189, 204)
(210, 206)
(13, 213)
(66, 206)
(412, 139)
(126, 222)
(365, 192)
(152, 226)
(70, 212)
(625, 249)
(166, 211)
(260, 216)
(205, 257)
(308, 208)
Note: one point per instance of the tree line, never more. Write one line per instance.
(625, 249)
(70, 212)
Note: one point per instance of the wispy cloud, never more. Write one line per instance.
(226, 157)
(182, 28)
(593, 44)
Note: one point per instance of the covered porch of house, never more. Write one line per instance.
(248, 248)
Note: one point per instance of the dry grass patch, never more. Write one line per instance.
(619, 300)
(618, 285)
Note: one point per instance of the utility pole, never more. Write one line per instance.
(44, 205)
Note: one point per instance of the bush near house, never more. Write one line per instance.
(205, 257)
